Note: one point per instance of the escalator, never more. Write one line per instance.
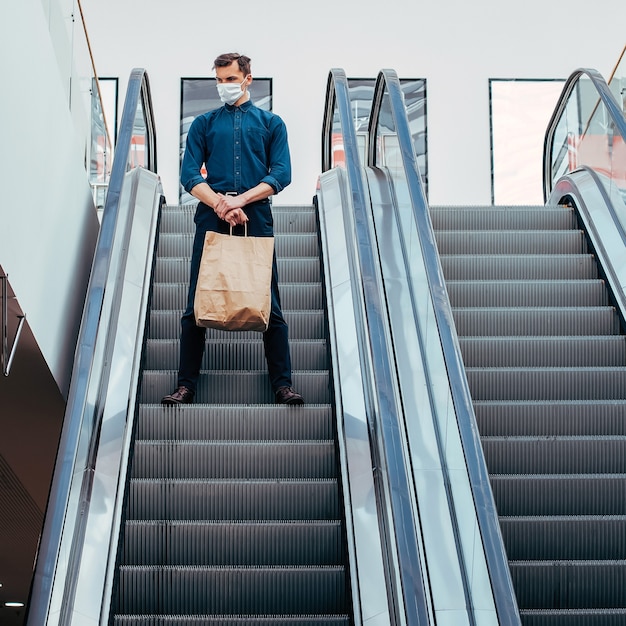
(545, 357)
(234, 510)
(422, 482)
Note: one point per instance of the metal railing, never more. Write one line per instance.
(407, 592)
(394, 136)
(61, 543)
(7, 352)
(588, 129)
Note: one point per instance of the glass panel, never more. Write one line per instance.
(199, 95)
(414, 90)
(337, 151)
(103, 114)
(520, 113)
(586, 136)
(137, 156)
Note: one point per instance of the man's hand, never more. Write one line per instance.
(229, 209)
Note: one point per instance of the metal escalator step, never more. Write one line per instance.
(569, 584)
(302, 325)
(540, 321)
(231, 620)
(555, 455)
(586, 537)
(233, 543)
(571, 617)
(547, 383)
(605, 351)
(285, 245)
(544, 293)
(301, 270)
(227, 387)
(571, 417)
(247, 354)
(503, 218)
(228, 422)
(233, 500)
(179, 219)
(511, 242)
(236, 459)
(519, 267)
(530, 495)
(293, 296)
(236, 590)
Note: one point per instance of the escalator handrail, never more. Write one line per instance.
(605, 96)
(495, 555)
(79, 416)
(386, 426)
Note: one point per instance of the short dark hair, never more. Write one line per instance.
(223, 60)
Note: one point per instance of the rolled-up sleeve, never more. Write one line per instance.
(194, 157)
(279, 175)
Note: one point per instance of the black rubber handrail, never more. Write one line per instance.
(78, 416)
(605, 97)
(504, 596)
(387, 425)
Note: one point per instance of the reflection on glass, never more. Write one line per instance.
(361, 92)
(137, 156)
(617, 82)
(199, 95)
(101, 150)
(587, 137)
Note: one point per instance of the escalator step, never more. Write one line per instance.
(231, 620)
(231, 422)
(603, 350)
(511, 242)
(580, 617)
(224, 387)
(565, 538)
(531, 495)
(520, 293)
(235, 590)
(301, 219)
(287, 245)
(520, 266)
(221, 459)
(233, 543)
(503, 218)
(233, 500)
(303, 270)
(567, 417)
(243, 355)
(555, 455)
(293, 296)
(302, 325)
(591, 383)
(547, 321)
(566, 584)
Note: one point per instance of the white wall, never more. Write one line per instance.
(48, 223)
(456, 45)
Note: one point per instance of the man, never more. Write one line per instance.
(247, 160)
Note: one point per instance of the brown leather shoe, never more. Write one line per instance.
(286, 395)
(182, 395)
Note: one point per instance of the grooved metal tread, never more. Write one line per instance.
(231, 620)
(233, 509)
(546, 365)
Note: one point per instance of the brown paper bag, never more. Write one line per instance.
(234, 283)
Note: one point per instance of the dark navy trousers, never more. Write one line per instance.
(193, 337)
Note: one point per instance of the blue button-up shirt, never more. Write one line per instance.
(240, 147)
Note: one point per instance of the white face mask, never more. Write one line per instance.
(229, 92)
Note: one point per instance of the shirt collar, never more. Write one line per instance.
(244, 106)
